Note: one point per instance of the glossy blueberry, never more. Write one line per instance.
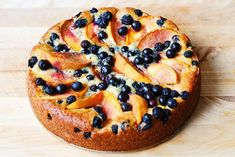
(102, 35)
(101, 22)
(125, 89)
(114, 129)
(195, 63)
(160, 22)
(170, 53)
(90, 77)
(131, 53)
(103, 116)
(122, 31)
(157, 57)
(138, 60)
(126, 107)
(124, 49)
(175, 38)
(162, 100)
(167, 44)
(44, 64)
(102, 86)
(77, 73)
(108, 60)
(175, 46)
(54, 36)
(147, 118)
(148, 59)
(136, 85)
(166, 91)
(93, 49)
(98, 109)
(174, 93)
(171, 103)
(93, 88)
(105, 70)
(32, 61)
(136, 25)
(184, 95)
(102, 55)
(61, 88)
(158, 112)
(97, 122)
(188, 54)
(77, 86)
(49, 90)
(152, 103)
(113, 81)
(147, 51)
(58, 48)
(85, 44)
(127, 19)
(87, 135)
(111, 49)
(138, 12)
(123, 97)
(157, 90)
(40, 82)
(93, 10)
(80, 23)
(149, 96)
(107, 15)
(86, 51)
(159, 47)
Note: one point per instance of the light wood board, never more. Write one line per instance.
(211, 28)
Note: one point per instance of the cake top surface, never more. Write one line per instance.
(114, 67)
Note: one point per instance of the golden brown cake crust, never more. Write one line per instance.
(63, 123)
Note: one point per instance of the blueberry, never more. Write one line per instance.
(40, 82)
(70, 99)
(174, 93)
(166, 91)
(188, 54)
(32, 61)
(170, 53)
(111, 49)
(136, 85)
(44, 64)
(162, 100)
(86, 51)
(138, 60)
(147, 51)
(108, 60)
(107, 15)
(77, 86)
(105, 70)
(159, 47)
(138, 12)
(80, 23)
(123, 97)
(175, 38)
(101, 22)
(166, 114)
(87, 135)
(136, 25)
(171, 103)
(184, 95)
(122, 31)
(61, 88)
(114, 81)
(93, 49)
(124, 49)
(157, 57)
(76, 129)
(93, 10)
(58, 48)
(85, 44)
(97, 122)
(167, 44)
(175, 46)
(102, 35)
(147, 118)
(54, 36)
(146, 88)
(160, 22)
(157, 90)
(158, 112)
(148, 59)
(195, 63)
(126, 107)
(127, 19)
(103, 116)
(77, 73)
(152, 103)
(93, 88)
(149, 96)
(114, 129)
(132, 53)
(49, 90)
(102, 86)
(90, 77)
(125, 89)
(102, 55)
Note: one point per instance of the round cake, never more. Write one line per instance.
(113, 79)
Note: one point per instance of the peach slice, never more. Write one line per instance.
(162, 73)
(91, 101)
(139, 106)
(121, 65)
(110, 105)
(61, 60)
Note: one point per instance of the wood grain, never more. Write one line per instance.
(209, 24)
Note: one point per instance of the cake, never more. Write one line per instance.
(113, 79)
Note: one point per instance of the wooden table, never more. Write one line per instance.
(209, 24)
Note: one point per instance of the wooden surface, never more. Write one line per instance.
(211, 28)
